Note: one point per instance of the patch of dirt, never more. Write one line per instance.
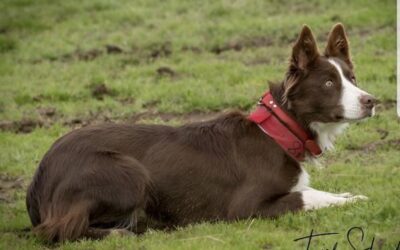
(193, 49)
(140, 54)
(126, 100)
(336, 18)
(166, 72)
(151, 104)
(28, 125)
(47, 111)
(78, 122)
(100, 90)
(162, 50)
(374, 146)
(380, 243)
(127, 62)
(201, 116)
(137, 118)
(4, 30)
(258, 61)
(393, 143)
(287, 39)
(267, 246)
(113, 49)
(23, 233)
(8, 186)
(6, 125)
(23, 126)
(383, 133)
(38, 98)
(195, 116)
(140, 117)
(78, 54)
(238, 45)
(392, 78)
(386, 105)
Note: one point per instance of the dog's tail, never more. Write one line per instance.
(64, 226)
(54, 221)
(76, 206)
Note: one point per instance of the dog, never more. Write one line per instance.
(126, 177)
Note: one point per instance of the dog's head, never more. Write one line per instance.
(322, 87)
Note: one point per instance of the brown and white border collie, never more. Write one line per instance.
(117, 177)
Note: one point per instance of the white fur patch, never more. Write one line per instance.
(302, 182)
(327, 133)
(314, 199)
(351, 95)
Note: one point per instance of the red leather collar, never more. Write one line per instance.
(281, 127)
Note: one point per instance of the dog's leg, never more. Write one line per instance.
(347, 194)
(314, 199)
(249, 205)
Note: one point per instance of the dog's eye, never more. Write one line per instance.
(329, 83)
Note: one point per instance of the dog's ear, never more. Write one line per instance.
(338, 44)
(304, 50)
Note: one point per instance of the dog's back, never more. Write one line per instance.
(99, 176)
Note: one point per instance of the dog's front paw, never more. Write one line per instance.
(344, 195)
(358, 197)
(314, 199)
(351, 196)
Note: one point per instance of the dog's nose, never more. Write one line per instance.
(368, 101)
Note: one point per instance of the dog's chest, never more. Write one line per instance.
(302, 182)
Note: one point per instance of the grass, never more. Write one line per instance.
(175, 61)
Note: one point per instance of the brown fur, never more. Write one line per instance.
(96, 176)
(102, 177)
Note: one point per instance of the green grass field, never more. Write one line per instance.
(66, 64)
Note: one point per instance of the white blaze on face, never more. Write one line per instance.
(351, 95)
